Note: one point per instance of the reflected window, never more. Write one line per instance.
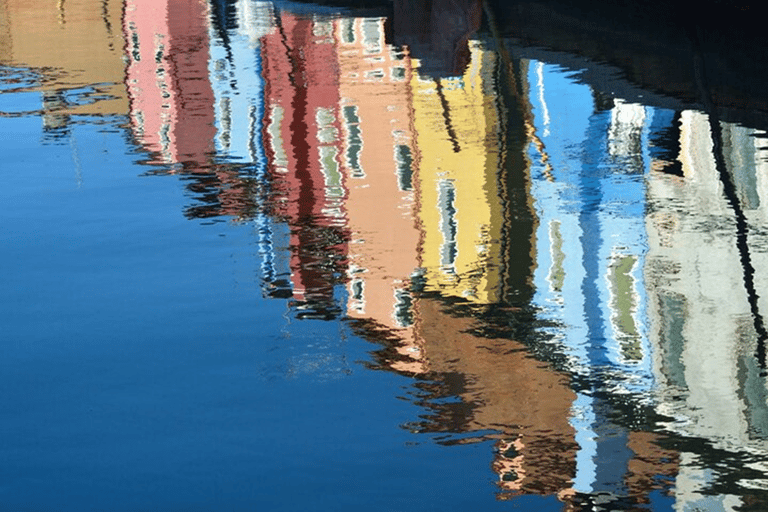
(357, 295)
(625, 134)
(673, 309)
(403, 308)
(322, 28)
(159, 57)
(557, 270)
(446, 204)
(404, 161)
(624, 305)
(165, 138)
(276, 138)
(330, 169)
(138, 117)
(374, 75)
(326, 132)
(225, 124)
(354, 140)
(372, 35)
(135, 47)
(347, 26)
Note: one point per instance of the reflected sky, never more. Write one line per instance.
(259, 243)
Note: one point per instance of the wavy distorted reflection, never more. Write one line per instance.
(562, 273)
(556, 268)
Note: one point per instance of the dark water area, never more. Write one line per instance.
(447, 255)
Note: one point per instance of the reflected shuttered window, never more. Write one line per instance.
(354, 140)
(623, 305)
(446, 204)
(357, 295)
(347, 29)
(403, 308)
(404, 160)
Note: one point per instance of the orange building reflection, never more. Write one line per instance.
(379, 160)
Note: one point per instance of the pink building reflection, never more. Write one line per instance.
(171, 99)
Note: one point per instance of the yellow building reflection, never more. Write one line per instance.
(459, 209)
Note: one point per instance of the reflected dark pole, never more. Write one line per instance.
(447, 116)
(729, 188)
(520, 221)
(221, 16)
(105, 17)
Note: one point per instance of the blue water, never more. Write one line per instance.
(144, 370)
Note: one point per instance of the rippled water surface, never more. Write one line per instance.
(277, 256)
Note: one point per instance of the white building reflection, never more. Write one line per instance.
(638, 259)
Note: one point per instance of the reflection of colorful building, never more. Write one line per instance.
(524, 403)
(172, 100)
(167, 77)
(460, 211)
(79, 45)
(302, 143)
(378, 162)
(237, 82)
(590, 247)
(701, 322)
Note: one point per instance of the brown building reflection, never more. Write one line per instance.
(525, 402)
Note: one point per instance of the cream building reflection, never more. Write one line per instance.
(640, 263)
(702, 325)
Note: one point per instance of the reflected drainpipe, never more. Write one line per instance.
(729, 188)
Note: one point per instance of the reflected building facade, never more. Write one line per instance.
(590, 198)
(379, 161)
(168, 79)
(172, 101)
(77, 47)
(385, 195)
(459, 207)
(705, 341)
(303, 143)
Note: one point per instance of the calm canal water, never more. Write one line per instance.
(275, 256)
